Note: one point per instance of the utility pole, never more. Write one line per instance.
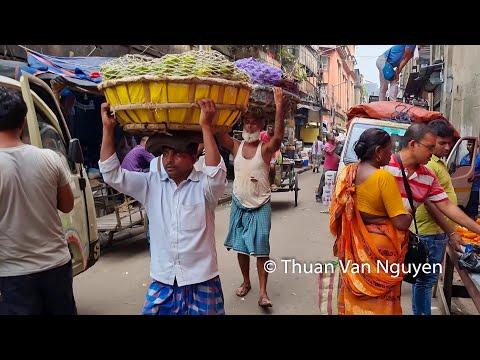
(333, 108)
(332, 112)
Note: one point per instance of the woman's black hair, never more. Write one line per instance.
(369, 141)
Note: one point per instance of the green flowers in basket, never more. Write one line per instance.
(192, 63)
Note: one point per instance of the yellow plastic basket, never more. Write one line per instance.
(151, 104)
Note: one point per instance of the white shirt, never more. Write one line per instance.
(31, 234)
(317, 147)
(154, 164)
(182, 219)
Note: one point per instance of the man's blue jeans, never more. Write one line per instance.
(422, 289)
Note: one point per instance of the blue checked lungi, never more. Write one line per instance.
(249, 230)
(205, 298)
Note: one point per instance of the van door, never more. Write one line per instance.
(461, 168)
(46, 130)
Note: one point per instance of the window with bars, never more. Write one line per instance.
(324, 63)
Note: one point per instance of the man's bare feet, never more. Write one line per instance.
(243, 290)
(264, 301)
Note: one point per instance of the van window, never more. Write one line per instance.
(357, 129)
(459, 158)
(51, 139)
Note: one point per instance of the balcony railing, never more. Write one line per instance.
(307, 87)
(269, 60)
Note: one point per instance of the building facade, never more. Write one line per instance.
(338, 83)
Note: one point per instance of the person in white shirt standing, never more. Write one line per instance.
(35, 264)
(317, 153)
(181, 205)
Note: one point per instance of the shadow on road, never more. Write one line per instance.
(281, 205)
(126, 248)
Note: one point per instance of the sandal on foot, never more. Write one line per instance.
(243, 290)
(264, 302)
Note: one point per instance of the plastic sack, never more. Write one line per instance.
(470, 260)
(387, 109)
(329, 283)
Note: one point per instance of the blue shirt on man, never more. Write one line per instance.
(395, 54)
(467, 161)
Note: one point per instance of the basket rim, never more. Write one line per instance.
(179, 79)
(162, 127)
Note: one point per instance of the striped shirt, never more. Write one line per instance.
(423, 182)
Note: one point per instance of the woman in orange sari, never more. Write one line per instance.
(370, 223)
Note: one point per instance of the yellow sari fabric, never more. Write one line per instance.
(372, 255)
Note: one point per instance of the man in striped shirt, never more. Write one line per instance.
(418, 145)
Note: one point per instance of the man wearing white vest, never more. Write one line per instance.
(250, 216)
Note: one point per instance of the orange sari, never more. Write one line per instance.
(372, 255)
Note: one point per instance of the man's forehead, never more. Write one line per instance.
(444, 139)
(167, 148)
(429, 137)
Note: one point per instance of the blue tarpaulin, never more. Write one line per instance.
(82, 68)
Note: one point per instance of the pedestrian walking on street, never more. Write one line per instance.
(251, 212)
(331, 163)
(35, 263)
(369, 221)
(180, 203)
(317, 153)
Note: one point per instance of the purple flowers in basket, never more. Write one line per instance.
(264, 74)
(260, 73)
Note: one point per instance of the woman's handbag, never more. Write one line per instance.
(417, 253)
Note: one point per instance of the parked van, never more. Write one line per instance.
(459, 173)
(46, 128)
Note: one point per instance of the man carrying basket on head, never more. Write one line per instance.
(250, 216)
(180, 203)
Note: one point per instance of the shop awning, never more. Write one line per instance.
(310, 105)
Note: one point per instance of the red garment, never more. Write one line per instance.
(264, 136)
(331, 160)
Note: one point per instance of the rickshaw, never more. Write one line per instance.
(288, 177)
